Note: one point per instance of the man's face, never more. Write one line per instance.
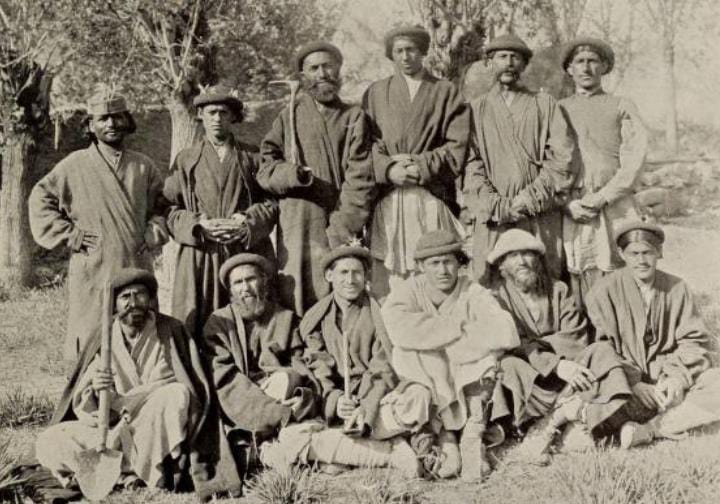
(347, 277)
(507, 66)
(248, 290)
(521, 267)
(586, 69)
(408, 58)
(132, 304)
(441, 271)
(321, 76)
(109, 128)
(216, 119)
(641, 258)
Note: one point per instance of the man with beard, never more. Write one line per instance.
(419, 131)
(448, 333)
(612, 145)
(250, 347)
(348, 354)
(104, 203)
(522, 166)
(217, 208)
(325, 193)
(159, 396)
(555, 371)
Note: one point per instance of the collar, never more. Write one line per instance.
(109, 152)
(584, 93)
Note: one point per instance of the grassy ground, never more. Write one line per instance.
(32, 377)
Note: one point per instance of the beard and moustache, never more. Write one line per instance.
(134, 317)
(525, 279)
(323, 91)
(251, 306)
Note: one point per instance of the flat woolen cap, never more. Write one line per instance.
(416, 33)
(437, 243)
(220, 94)
(515, 240)
(355, 251)
(509, 42)
(645, 226)
(103, 104)
(599, 46)
(130, 276)
(245, 258)
(313, 47)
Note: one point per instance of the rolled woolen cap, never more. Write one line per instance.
(599, 46)
(353, 250)
(131, 276)
(245, 258)
(416, 33)
(515, 240)
(105, 103)
(509, 42)
(221, 94)
(638, 225)
(437, 243)
(313, 47)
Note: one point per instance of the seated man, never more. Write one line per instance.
(250, 346)
(651, 320)
(555, 367)
(447, 334)
(158, 396)
(347, 353)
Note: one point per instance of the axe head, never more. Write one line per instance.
(294, 85)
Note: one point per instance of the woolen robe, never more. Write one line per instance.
(200, 184)
(83, 193)
(371, 376)
(666, 340)
(433, 129)
(558, 330)
(449, 346)
(239, 360)
(612, 144)
(206, 457)
(329, 208)
(523, 153)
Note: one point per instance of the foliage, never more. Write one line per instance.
(9, 483)
(19, 408)
(290, 485)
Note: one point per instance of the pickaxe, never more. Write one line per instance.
(294, 86)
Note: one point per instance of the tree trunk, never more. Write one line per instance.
(16, 242)
(184, 132)
(671, 124)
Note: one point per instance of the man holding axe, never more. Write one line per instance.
(158, 407)
(315, 159)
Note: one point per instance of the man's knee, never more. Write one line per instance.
(281, 384)
(419, 395)
(174, 396)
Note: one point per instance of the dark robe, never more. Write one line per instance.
(238, 361)
(559, 332)
(322, 212)
(207, 458)
(433, 129)
(200, 184)
(83, 193)
(523, 154)
(369, 351)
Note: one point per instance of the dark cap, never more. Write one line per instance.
(416, 33)
(313, 47)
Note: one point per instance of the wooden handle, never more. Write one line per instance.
(295, 158)
(105, 364)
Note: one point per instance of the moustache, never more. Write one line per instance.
(131, 310)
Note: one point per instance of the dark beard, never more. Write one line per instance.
(250, 309)
(134, 317)
(323, 91)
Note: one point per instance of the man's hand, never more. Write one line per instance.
(593, 201)
(293, 403)
(579, 212)
(90, 241)
(346, 407)
(304, 174)
(401, 176)
(578, 377)
(356, 421)
(648, 395)
(671, 391)
(103, 380)
(220, 230)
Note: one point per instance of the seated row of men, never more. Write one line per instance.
(422, 383)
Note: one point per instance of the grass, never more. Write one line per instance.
(19, 408)
(9, 484)
(287, 486)
(384, 487)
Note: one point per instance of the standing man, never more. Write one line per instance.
(612, 144)
(325, 193)
(523, 160)
(419, 130)
(104, 203)
(217, 208)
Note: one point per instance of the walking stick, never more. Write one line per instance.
(294, 86)
(348, 428)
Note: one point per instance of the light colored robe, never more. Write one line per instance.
(449, 346)
(83, 193)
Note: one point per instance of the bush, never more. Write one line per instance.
(18, 408)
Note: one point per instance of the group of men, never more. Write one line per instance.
(406, 353)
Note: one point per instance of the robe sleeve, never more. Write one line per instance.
(50, 223)
(378, 379)
(411, 328)
(633, 148)
(261, 216)
(323, 367)
(276, 174)
(358, 188)
(558, 172)
(381, 160)
(241, 400)
(183, 223)
(451, 155)
(480, 195)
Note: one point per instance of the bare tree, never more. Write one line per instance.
(615, 21)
